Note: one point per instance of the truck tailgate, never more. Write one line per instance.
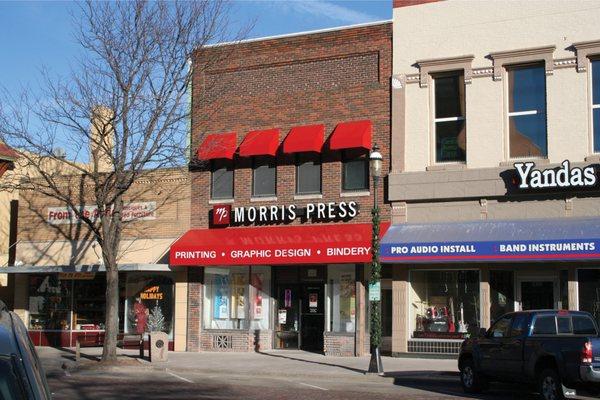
(595, 341)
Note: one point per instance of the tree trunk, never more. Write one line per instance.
(109, 351)
(111, 227)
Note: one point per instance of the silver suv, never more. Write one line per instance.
(21, 374)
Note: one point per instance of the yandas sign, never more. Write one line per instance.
(564, 176)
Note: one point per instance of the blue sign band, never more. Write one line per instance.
(532, 250)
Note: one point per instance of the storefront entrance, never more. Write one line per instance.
(312, 318)
(300, 317)
(537, 294)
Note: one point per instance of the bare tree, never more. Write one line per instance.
(131, 81)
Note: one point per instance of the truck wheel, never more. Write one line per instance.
(549, 385)
(471, 380)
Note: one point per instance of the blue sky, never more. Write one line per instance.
(39, 34)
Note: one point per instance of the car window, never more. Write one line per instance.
(545, 325)
(501, 328)
(564, 325)
(10, 387)
(519, 325)
(583, 325)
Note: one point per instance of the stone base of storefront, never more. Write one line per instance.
(236, 340)
(339, 344)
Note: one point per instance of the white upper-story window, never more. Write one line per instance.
(596, 103)
(449, 121)
(527, 111)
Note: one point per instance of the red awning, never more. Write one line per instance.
(351, 135)
(304, 138)
(218, 145)
(260, 143)
(314, 244)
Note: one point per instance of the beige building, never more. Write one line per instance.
(58, 278)
(488, 101)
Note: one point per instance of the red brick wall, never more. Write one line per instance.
(406, 3)
(326, 78)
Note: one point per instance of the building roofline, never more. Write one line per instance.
(303, 33)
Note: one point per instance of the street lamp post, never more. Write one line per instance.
(375, 365)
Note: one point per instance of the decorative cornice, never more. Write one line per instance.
(483, 72)
(412, 78)
(565, 62)
(583, 51)
(426, 67)
(519, 56)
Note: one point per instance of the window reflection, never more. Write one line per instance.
(222, 179)
(445, 304)
(596, 103)
(450, 133)
(527, 111)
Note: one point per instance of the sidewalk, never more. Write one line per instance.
(272, 363)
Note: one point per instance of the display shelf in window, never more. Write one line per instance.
(49, 302)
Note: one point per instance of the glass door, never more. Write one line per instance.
(313, 317)
(287, 318)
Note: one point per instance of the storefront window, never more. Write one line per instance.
(589, 291)
(502, 287)
(226, 298)
(260, 293)
(444, 304)
(89, 300)
(342, 286)
(149, 305)
(49, 302)
(564, 289)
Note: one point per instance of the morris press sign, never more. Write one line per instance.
(224, 214)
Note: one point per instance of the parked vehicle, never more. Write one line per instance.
(557, 351)
(21, 374)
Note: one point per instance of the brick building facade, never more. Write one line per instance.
(320, 78)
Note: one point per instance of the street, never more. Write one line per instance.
(273, 375)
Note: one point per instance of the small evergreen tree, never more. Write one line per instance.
(156, 320)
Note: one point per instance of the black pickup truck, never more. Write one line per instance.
(558, 351)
